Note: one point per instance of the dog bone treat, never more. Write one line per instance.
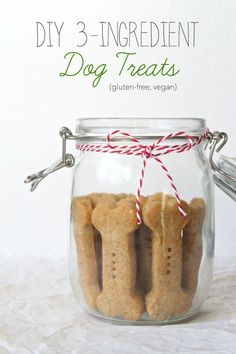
(123, 195)
(143, 242)
(161, 215)
(141, 248)
(167, 248)
(144, 255)
(116, 221)
(192, 245)
(84, 238)
(144, 252)
(96, 198)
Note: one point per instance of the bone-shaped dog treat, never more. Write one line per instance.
(143, 243)
(144, 250)
(116, 221)
(96, 198)
(166, 297)
(144, 255)
(122, 196)
(192, 245)
(84, 238)
(98, 251)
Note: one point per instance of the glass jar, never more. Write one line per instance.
(142, 218)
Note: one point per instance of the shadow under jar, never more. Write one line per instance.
(142, 219)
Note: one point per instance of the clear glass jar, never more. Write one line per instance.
(159, 271)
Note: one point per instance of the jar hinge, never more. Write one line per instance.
(220, 139)
(66, 160)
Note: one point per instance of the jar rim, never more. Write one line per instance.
(98, 128)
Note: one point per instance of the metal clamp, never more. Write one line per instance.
(217, 141)
(67, 160)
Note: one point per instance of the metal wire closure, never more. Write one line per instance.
(217, 141)
(67, 160)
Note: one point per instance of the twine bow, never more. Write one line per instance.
(147, 151)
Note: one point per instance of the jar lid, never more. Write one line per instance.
(152, 128)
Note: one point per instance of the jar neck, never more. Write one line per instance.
(143, 129)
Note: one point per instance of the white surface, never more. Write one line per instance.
(38, 314)
(36, 102)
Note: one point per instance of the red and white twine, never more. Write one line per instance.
(147, 151)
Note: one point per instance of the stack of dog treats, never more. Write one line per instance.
(126, 269)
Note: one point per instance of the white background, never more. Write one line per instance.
(36, 102)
